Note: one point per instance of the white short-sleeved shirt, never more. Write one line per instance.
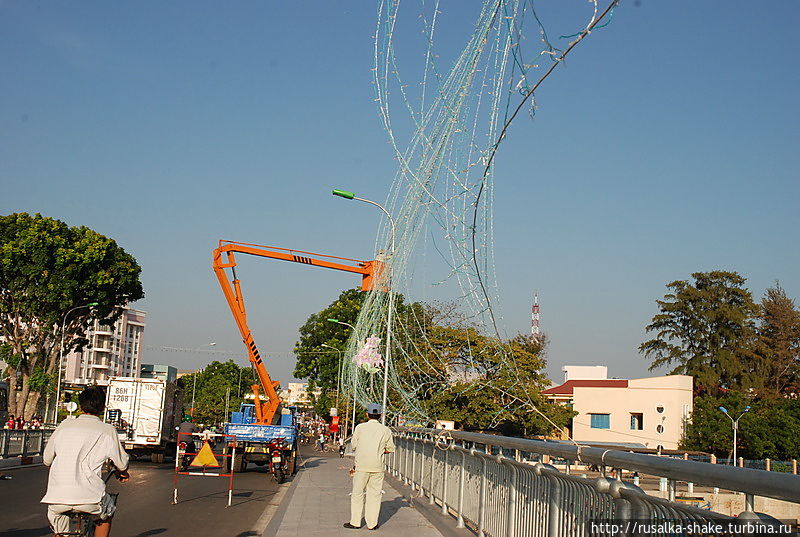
(75, 453)
(370, 441)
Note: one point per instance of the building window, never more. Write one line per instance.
(637, 421)
(660, 409)
(660, 429)
(600, 421)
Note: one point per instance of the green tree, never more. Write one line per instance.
(771, 429)
(501, 390)
(706, 329)
(459, 374)
(320, 365)
(211, 386)
(779, 331)
(46, 269)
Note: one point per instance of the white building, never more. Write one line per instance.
(112, 351)
(648, 411)
(296, 393)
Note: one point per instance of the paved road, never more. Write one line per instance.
(144, 503)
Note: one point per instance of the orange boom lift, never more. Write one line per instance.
(224, 257)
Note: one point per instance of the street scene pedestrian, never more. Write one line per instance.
(371, 441)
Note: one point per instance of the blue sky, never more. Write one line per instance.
(666, 145)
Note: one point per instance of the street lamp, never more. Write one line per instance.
(735, 423)
(61, 354)
(339, 376)
(355, 373)
(350, 196)
(194, 377)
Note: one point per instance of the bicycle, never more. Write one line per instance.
(85, 523)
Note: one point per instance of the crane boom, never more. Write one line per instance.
(224, 257)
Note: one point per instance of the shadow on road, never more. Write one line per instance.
(252, 495)
(148, 533)
(38, 532)
(388, 509)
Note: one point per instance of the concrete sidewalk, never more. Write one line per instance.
(318, 503)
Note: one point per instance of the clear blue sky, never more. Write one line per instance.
(667, 145)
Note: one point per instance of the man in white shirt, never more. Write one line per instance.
(371, 441)
(76, 453)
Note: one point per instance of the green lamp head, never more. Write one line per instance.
(344, 194)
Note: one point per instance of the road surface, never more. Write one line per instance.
(145, 507)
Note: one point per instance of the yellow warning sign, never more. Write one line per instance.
(205, 457)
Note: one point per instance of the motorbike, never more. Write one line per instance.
(341, 451)
(277, 463)
(188, 449)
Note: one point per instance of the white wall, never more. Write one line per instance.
(645, 396)
(584, 372)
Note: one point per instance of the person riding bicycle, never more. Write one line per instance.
(76, 453)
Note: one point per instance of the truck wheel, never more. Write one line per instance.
(239, 463)
(156, 457)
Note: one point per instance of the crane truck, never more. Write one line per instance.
(264, 433)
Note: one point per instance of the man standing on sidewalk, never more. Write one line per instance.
(371, 441)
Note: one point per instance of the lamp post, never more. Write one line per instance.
(194, 377)
(339, 375)
(350, 196)
(355, 374)
(735, 423)
(61, 354)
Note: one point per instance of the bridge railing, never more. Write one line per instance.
(486, 482)
(23, 442)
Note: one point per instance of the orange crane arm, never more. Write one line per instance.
(224, 257)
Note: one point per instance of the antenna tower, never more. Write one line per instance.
(535, 333)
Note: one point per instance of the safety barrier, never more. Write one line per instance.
(475, 480)
(205, 454)
(23, 443)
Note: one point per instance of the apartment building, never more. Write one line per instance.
(296, 393)
(651, 412)
(113, 350)
(159, 371)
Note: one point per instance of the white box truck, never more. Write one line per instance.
(145, 414)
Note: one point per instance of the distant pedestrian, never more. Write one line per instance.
(371, 441)
(20, 423)
(11, 423)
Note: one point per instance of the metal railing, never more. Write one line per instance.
(23, 443)
(487, 483)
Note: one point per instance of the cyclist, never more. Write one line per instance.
(76, 453)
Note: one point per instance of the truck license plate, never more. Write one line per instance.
(276, 459)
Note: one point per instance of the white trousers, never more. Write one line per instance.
(366, 498)
(59, 520)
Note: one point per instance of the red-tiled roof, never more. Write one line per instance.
(567, 387)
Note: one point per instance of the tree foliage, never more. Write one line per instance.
(444, 362)
(778, 367)
(706, 329)
(320, 365)
(771, 429)
(47, 268)
(210, 387)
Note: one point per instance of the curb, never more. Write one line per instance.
(270, 520)
(16, 462)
